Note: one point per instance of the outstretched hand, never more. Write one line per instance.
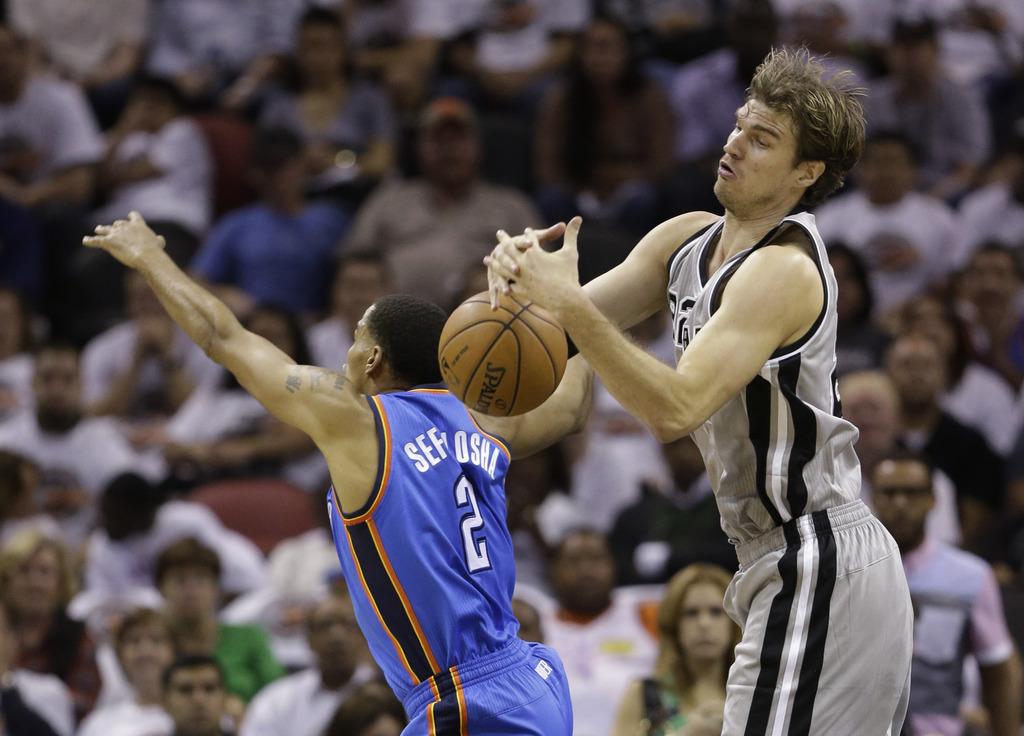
(127, 240)
(530, 238)
(549, 279)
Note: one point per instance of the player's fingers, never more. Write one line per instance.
(134, 216)
(572, 230)
(550, 233)
(101, 229)
(502, 270)
(92, 241)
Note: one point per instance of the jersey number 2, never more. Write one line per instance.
(475, 549)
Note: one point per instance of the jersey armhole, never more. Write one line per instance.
(380, 482)
(806, 240)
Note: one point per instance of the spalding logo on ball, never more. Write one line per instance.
(503, 362)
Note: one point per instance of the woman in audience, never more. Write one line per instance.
(188, 577)
(589, 156)
(348, 124)
(686, 695)
(36, 583)
(144, 650)
(369, 711)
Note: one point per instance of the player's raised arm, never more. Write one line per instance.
(564, 412)
(772, 300)
(627, 294)
(312, 399)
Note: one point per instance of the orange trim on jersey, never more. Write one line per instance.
(384, 474)
(369, 596)
(490, 436)
(433, 686)
(401, 594)
(429, 391)
(431, 726)
(461, 698)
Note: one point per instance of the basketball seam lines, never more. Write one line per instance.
(551, 358)
(504, 326)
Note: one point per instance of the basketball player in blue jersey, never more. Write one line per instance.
(820, 594)
(417, 507)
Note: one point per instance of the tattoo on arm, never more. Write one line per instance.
(293, 383)
(339, 380)
(314, 380)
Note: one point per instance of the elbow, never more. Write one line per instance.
(671, 424)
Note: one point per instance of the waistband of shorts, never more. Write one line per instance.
(803, 528)
(458, 676)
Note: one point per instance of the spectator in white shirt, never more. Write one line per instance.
(76, 455)
(144, 650)
(905, 236)
(157, 162)
(48, 134)
(136, 526)
(30, 703)
(597, 630)
(303, 704)
(995, 213)
(975, 394)
(142, 369)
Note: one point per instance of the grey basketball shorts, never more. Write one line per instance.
(827, 630)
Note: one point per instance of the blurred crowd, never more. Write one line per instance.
(164, 562)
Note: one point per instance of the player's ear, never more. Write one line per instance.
(374, 361)
(809, 172)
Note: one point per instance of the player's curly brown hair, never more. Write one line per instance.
(825, 111)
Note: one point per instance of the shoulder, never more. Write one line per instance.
(668, 237)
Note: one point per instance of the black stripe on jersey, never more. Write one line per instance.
(446, 710)
(814, 648)
(685, 243)
(774, 636)
(382, 460)
(388, 600)
(759, 419)
(805, 431)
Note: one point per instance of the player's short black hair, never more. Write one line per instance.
(408, 330)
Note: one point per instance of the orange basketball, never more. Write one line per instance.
(504, 362)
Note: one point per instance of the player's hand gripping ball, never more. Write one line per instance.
(503, 362)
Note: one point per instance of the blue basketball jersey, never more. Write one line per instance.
(428, 559)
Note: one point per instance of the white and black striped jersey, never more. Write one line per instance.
(779, 448)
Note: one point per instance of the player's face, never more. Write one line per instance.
(759, 170)
(902, 496)
(705, 631)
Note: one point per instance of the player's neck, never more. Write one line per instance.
(740, 233)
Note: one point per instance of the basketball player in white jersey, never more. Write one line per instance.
(820, 594)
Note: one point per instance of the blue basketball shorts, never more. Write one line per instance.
(519, 690)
